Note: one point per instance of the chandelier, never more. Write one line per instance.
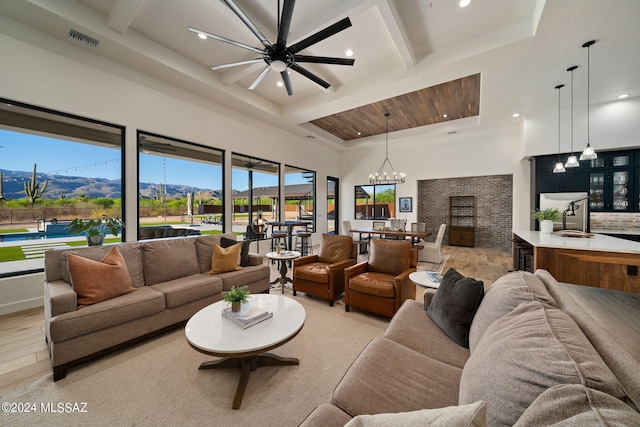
(382, 177)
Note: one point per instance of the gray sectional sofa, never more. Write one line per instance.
(540, 353)
(171, 282)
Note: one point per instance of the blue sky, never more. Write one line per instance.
(19, 152)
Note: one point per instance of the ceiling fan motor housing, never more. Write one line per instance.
(278, 59)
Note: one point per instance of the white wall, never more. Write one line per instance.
(492, 152)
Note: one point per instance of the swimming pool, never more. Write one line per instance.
(15, 237)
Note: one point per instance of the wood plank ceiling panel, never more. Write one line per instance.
(457, 99)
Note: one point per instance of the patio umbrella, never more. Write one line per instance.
(190, 205)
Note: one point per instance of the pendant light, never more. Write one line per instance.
(381, 177)
(572, 161)
(588, 153)
(559, 168)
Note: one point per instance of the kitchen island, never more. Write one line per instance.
(600, 261)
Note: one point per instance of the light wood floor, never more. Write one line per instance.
(24, 355)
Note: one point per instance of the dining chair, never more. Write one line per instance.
(362, 242)
(417, 227)
(431, 250)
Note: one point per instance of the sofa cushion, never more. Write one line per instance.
(389, 256)
(204, 248)
(379, 284)
(131, 252)
(224, 260)
(412, 327)
(473, 415)
(389, 377)
(165, 260)
(525, 352)
(335, 248)
(96, 281)
(244, 253)
(189, 288)
(575, 404)
(505, 294)
(115, 311)
(454, 305)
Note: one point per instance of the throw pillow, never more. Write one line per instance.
(96, 281)
(473, 415)
(454, 305)
(244, 253)
(225, 259)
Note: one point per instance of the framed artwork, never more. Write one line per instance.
(406, 204)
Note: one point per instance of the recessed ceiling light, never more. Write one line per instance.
(280, 84)
(202, 36)
(464, 3)
(359, 133)
(516, 115)
(623, 96)
(349, 52)
(445, 116)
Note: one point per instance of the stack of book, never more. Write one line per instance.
(247, 317)
(434, 277)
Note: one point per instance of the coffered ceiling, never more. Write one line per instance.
(416, 59)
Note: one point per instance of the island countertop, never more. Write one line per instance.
(599, 242)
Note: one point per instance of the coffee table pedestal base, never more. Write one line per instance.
(248, 364)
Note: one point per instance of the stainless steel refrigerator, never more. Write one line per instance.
(574, 210)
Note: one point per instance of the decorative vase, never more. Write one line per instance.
(95, 240)
(235, 306)
(546, 226)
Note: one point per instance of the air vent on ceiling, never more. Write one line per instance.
(82, 38)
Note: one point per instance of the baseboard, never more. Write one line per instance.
(20, 293)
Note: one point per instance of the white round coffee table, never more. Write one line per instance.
(283, 258)
(210, 333)
(421, 279)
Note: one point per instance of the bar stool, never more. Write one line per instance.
(278, 237)
(303, 243)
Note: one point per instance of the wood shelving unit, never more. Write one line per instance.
(462, 220)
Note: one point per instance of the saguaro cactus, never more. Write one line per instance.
(1, 190)
(32, 187)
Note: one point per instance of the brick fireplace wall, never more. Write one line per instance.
(494, 201)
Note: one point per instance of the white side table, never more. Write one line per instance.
(421, 279)
(283, 258)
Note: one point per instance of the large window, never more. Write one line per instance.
(180, 184)
(256, 190)
(299, 192)
(375, 201)
(54, 167)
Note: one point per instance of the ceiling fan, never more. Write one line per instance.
(279, 57)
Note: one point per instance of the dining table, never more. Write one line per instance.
(289, 226)
(390, 232)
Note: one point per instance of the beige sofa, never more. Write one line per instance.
(540, 352)
(171, 282)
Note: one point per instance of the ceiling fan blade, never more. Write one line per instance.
(287, 82)
(248, 22)
(310, 76)
(261, 76)
(320, 35)
(235, 64)
(285, 22)
(226, 40)
(323, 60)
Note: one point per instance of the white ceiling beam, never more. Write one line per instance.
(123, 14)
(397, 31)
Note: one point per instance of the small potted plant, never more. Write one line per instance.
(236, 296)
(546, 218)
(95, 229)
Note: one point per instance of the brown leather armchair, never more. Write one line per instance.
(322, 275)
(381, 284)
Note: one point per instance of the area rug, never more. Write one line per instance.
(157, 382)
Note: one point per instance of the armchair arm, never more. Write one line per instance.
(405, 288)
(428, 296)
(355, 270)
(305, 260)
(60, 298)
(341, 265)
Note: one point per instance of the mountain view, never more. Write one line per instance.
(73, 186)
